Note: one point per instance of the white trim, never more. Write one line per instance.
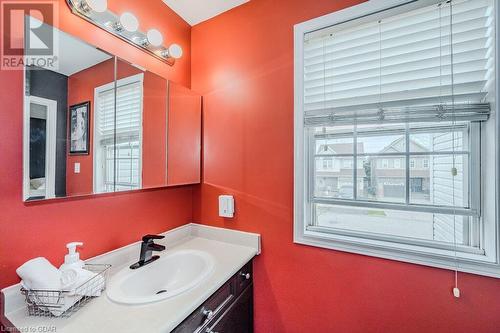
(109, 86)
(472, 263)
(50, 150)
(97, 160)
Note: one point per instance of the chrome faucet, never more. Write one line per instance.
(147, 248)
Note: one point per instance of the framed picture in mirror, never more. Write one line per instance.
(79, 128)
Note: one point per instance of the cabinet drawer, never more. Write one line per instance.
(217, 305)
(208, 312)
(238, 318)
(243, 278)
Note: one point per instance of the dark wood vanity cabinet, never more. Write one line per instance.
(228, 310)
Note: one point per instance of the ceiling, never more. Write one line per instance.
(196, 11)
(73, 55)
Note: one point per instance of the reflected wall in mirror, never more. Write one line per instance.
(99, 124)
(184, 136)
(51, 170)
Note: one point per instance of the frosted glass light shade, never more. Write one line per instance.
(97, 5)
(155, 37)
(175, 51)
(129, 22)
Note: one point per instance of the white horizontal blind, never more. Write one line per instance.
(128, 111)
(105, 113)
(400, 66)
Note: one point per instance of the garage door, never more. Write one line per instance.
(394, 190)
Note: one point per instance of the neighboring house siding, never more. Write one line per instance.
(442, 189)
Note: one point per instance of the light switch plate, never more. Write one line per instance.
(226, 206)
(77, 167)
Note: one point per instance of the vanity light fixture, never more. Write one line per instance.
(126, 27)
(98, 6)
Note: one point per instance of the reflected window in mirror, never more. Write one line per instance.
(118, 135)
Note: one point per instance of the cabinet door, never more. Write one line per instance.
(184, 136)
(239, 316)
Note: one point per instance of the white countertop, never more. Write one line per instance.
(230, 250)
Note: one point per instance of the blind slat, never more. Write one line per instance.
(400, 62)
(464, 31)
(128, 110)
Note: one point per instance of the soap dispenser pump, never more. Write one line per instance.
(72, 259)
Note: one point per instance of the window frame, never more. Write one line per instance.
(484, 264)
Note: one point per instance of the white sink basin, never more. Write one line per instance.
(169, 276)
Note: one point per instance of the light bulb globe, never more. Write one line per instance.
(99, 6)
(129, 22)
(155, 37)
(175, 51)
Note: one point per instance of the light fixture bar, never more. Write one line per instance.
(126, 27)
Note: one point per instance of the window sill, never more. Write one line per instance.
(468, 262)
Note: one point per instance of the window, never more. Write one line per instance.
(403, 97)
(387, 185)
(347, 163)
(118, 135)
(397, 163)
(327, 163)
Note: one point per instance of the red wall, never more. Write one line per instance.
(242, 63)
(104, 222)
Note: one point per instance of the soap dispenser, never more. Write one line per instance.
(72, 259)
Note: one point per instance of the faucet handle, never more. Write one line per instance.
(149, 238)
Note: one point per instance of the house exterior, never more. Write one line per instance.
(334, 175)
(380, 178)
(389, 172)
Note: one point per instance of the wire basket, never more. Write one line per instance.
(63, 303)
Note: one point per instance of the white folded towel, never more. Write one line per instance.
(83, 282)
(39, 273)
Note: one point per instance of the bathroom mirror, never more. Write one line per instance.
(98, 124)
